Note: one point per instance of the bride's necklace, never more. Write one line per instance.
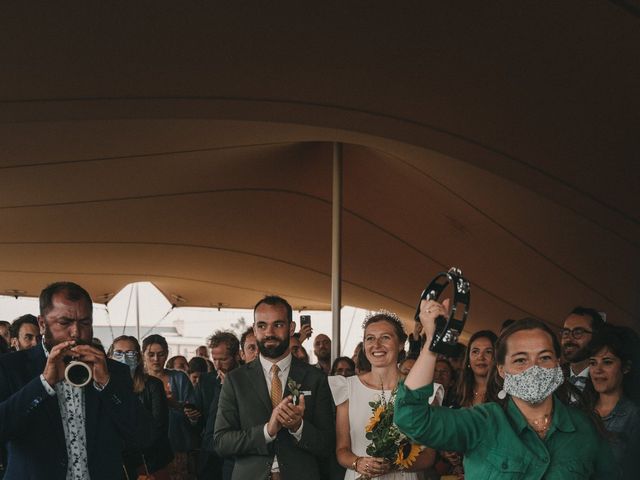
(380, 385)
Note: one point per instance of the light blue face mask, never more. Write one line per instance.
(129, 358)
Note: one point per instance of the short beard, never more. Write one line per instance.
(323, 357)
(47, 338)
(577, 356)
(273, 352)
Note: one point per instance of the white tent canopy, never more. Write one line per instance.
(192, 149)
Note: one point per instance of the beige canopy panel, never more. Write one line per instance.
(193, 149)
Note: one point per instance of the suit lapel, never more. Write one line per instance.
(91, 414)
(296, 373)
(256, 377)
(37, 361)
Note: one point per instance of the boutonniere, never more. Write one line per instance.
(294, 388)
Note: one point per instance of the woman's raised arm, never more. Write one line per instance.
(421, 373)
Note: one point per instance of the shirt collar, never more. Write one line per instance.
(622, 408)
(516, 416)
(583, 373)
(282, 364)
(561, 419)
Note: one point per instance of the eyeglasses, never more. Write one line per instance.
(576, 333)
(119, 354)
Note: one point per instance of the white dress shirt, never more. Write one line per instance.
(284, 365)
(579, 380)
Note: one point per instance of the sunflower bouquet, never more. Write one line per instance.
(387, 441)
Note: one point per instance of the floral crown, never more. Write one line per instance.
(383, 315)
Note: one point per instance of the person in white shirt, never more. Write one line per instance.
(275, 415)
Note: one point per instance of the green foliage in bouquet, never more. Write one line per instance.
(387, 441)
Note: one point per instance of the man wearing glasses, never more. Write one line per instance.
(578, 330)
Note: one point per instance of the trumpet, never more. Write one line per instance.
(77, 373)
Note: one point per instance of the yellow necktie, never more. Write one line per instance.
(276, 386)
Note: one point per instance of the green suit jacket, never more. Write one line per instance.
(244, 409)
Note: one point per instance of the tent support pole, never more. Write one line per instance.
(336, 246)
(138, 314)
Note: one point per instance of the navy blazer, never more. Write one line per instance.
(31, 425)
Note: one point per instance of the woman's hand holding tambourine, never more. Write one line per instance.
(429, 311)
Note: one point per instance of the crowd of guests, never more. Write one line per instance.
(528, 402)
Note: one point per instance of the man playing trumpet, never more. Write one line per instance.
(56, 430)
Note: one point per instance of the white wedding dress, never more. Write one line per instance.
(359, 396)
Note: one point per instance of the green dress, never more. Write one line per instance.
(499, 444)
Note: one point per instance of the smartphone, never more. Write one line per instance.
(305, 320)
(189, 405)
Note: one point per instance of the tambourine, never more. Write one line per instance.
(445, 338)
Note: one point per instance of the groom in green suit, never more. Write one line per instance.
(275, 414)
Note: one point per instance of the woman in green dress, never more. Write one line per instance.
(533, 434)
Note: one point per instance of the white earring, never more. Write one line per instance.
(502, 394)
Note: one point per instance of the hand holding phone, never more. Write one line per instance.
(305, 327)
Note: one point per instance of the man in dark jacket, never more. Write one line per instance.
(57, 431)
(225, 353)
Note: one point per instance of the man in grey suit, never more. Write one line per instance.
(275, 414)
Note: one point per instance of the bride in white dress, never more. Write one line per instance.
(384, 337)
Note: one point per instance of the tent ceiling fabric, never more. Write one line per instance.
(193, 150)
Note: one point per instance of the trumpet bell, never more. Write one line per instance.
(78, 373)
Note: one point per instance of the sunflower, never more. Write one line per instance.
(373, 421)
(407, 454)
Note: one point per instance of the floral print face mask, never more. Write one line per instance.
(534, 384)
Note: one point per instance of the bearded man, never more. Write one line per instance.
(579, 328)
(275, 414)
(322, 351)
(25, 332)
(57, 431)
